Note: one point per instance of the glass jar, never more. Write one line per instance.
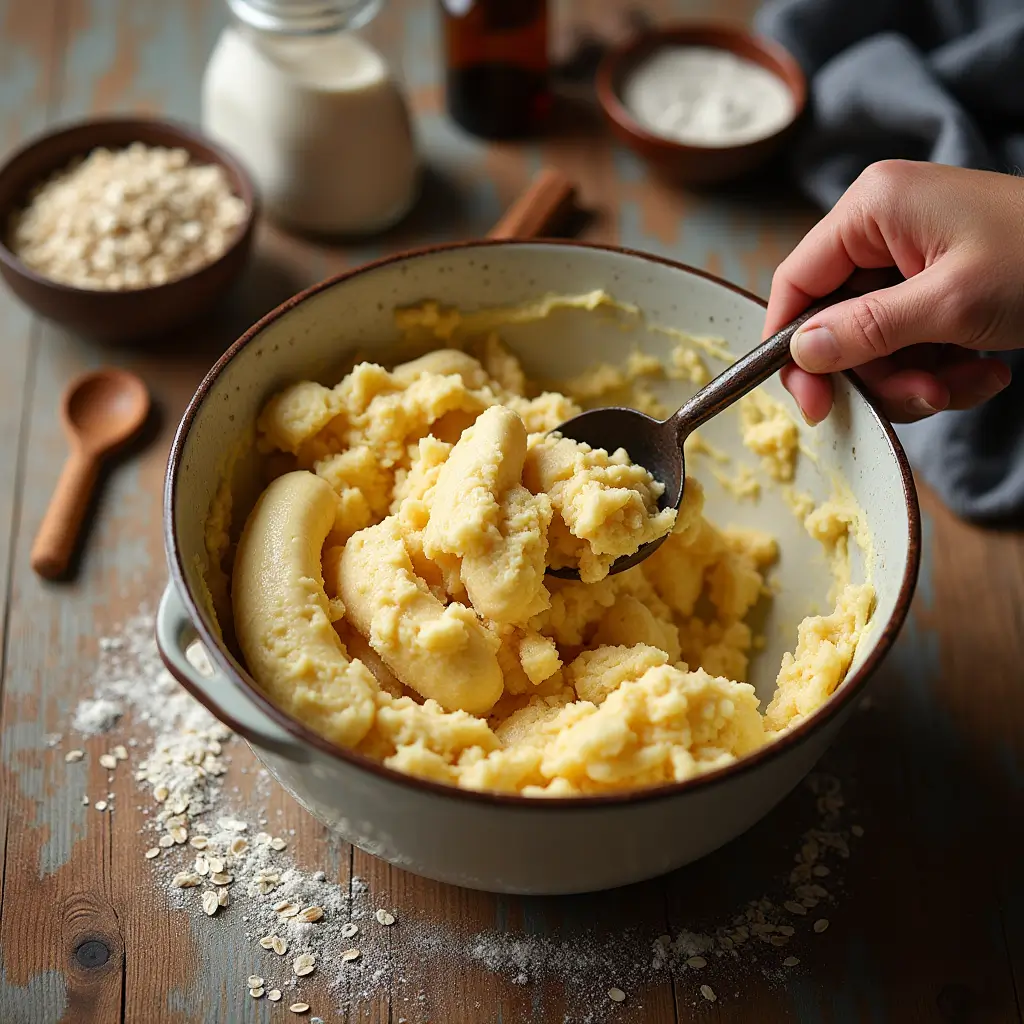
(315, 113)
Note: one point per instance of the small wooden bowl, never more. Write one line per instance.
(681, 162)
(124, 315)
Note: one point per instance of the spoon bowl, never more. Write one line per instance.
(101, 411)
(105, 409)
(651, 443)
(657, 445)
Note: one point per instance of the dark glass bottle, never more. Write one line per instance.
(496, 62)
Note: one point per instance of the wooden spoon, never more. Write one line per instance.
(541, 209)
(101, 411)
(658, 444)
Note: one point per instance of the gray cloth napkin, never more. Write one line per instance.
(938, 80)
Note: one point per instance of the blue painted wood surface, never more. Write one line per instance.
(928, 925)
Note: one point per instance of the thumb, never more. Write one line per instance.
(858, 330)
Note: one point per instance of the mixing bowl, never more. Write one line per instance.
(510, 843)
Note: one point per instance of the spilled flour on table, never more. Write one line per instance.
(216, 856)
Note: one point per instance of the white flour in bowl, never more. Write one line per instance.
(702, 96)
(202, 838)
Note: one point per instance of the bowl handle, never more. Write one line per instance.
(216, 691)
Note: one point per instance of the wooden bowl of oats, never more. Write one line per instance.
(123, 229)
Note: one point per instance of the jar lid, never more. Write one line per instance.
(305, 17)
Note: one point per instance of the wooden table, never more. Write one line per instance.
(927, 917)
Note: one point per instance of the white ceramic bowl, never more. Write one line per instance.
(508, 843)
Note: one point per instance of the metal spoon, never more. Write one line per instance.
(658, 444)
(101, 411)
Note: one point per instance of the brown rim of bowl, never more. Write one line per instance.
(774, 57)
(247, 193)
(847, 691)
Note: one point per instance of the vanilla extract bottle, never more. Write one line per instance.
(496, 66)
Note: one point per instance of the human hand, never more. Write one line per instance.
(958, 237)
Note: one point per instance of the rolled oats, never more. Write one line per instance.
(126, 219)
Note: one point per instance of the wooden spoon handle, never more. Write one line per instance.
(540, 209)
(58, 532)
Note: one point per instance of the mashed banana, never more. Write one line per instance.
(389, 588)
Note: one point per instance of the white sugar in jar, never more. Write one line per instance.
(316, 114)
(704, 96)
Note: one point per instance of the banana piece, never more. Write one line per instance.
(443, 653)
(481, 514)
(283, 616)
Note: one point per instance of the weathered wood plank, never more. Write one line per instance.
(28, 64)
(29, 45)
(927, 926)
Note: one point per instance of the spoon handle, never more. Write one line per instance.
(540, 209)
(58, 532)
(745, 374)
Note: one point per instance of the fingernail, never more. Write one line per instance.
(815, 349)
(994, 382)
(999, 378)
(808, 420)
(918, 407)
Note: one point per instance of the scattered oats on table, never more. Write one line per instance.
(304, 964)
(128, 218)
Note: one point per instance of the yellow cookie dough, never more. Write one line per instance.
(389, 587)
(607, 505)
